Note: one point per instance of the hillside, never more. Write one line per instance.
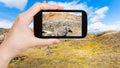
(109, 36)
(2, 30)
(2, 34)
(60, 24)
(97, 51)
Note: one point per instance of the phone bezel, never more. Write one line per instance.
(38, 24)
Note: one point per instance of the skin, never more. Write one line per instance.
(20, 37)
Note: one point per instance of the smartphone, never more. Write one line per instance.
(60, 24)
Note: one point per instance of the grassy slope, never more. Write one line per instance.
(71, 54)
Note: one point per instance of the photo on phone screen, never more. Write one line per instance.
(62, 24)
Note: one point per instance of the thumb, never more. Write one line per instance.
(44, 42)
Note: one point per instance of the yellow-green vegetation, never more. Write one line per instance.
(72, 54)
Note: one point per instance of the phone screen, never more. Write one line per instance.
(60, 24)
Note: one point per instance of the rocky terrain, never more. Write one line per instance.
(62, 24)
(3, 34)
(2, 30)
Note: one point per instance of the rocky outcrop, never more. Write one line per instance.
(46, 33)
(62, 24)
(18, 58)
(62, 31)
(3, 33)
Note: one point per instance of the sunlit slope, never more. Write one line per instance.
(97, 51)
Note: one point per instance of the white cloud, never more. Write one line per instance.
(99, 14)
(96, 26)
(100, 27)
(5, 24)
(19, 4)
(8, 24)
(31, 25)
(72, 5)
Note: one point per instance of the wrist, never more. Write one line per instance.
(5, 53)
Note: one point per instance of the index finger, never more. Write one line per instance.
(29, 14)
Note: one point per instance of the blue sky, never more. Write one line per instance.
(103, 15)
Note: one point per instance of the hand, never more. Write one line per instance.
(20, 37)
